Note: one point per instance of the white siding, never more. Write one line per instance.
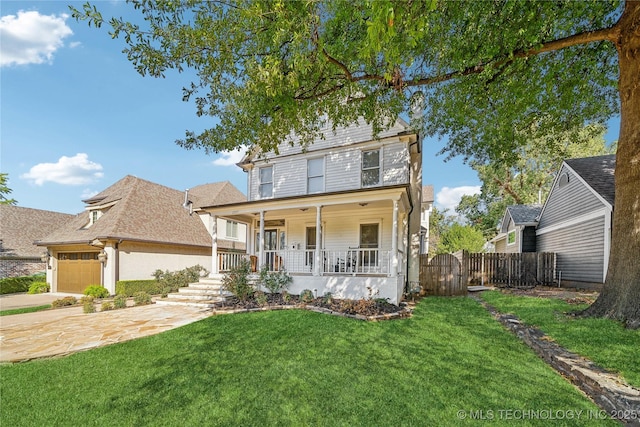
(342, 169)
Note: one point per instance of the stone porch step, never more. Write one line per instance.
(187, 302)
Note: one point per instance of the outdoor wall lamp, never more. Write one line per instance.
(102, 257)
(46, 256)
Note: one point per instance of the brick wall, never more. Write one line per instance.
(14, 267)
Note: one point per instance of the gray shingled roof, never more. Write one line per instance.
(21, 227)
(143, 211)
(598, 173)
(427, 194)
(524, 214)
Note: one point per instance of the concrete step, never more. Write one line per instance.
(196, 297)
(204, 286)
(187, 302)
(202, 291)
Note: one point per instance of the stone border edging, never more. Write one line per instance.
(610, 392)
(405, 312)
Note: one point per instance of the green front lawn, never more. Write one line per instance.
(605, 342)
(24, 310)
(450, 361)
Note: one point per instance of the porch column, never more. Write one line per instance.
(215, 268)
(109, 267)
(261, 242)
(394, 241)
(318, 254)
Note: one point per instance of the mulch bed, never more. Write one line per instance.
(358, 309)
(572, 296)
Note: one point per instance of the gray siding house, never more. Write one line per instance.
(518, 229)
(576, 218)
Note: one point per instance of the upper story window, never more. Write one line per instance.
(370, 168)
(511, 237)
(232, 230)
(266, 182)
(94, 216)
(315, 175)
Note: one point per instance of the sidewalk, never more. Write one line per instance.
(64, 331)
(13, 301)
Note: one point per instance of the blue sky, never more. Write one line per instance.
(75, 117)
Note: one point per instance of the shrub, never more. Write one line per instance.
(286, 296)
(11, 285)
(119, 301)
(261, 298)
(63, 302)
(129, 287)
(38, 288)
(236, 281)
(85, 299)
(306, 296)
(327, 298)
(96, 291)
(87, 305)
(171, 281)
(142, 298)
(106, 306)
(275, 281)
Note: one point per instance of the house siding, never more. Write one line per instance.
(342, 169)
(573, 200)
(580, 249)
(138, 261)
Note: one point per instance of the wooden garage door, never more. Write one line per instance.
(77, 270)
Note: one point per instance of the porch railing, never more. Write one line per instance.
(343, 262)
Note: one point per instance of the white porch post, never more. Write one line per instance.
(261, 242)
(394, 241)
(215, 268)
(109, 267)
(318, 254)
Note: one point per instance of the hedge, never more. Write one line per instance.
(130, 287)
(11, 285)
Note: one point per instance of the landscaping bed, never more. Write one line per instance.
(366, 309)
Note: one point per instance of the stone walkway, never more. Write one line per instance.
(63, 331)
(610, 392)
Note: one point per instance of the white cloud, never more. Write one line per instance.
(88, 193)
(76, 170)
(31, 38)
(448, 198)
(230, 158)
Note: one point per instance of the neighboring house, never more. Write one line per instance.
(517, 229)
(426, 207)
(576, 219)
(20, 228)
(130, 230)
(341, 215)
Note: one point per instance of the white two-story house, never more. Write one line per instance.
(341, 216)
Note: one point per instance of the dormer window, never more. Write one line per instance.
(94, 217)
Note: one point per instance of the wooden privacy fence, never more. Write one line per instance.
(450, 274)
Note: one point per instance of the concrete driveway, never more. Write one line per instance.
(63, 331)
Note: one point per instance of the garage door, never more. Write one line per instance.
(77, 270)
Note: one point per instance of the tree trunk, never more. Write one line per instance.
(620, 296)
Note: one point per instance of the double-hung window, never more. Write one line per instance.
(315, 175)
(266, 182)
(232, 230)
(370, 168)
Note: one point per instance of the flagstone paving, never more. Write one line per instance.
(68, 330)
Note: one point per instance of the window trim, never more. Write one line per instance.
(261, 183)
(230, 224)
(379, 167)
(323, 175)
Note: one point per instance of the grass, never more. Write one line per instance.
(24, 310)
(605, 342)
(300, 368)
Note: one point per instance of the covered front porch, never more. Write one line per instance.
(352, 244)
